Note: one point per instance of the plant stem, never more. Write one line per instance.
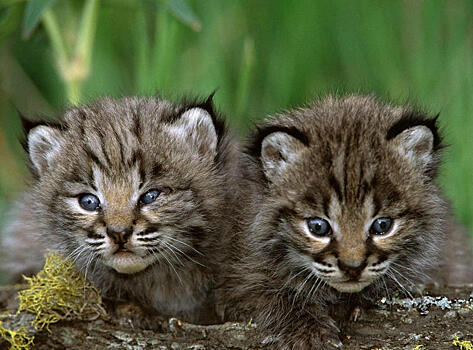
(75, 70)
(55, 37)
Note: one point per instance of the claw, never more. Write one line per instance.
(336, 344)
(356, 314)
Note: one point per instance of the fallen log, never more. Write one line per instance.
(442, 318)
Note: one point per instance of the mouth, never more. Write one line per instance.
(126, 262)
(349, 286)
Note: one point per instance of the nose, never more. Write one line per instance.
(352, 270)
(119, 235)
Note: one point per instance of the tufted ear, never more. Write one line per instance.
(196, 126)
(417, 144)
(279, 150)
(44, 143)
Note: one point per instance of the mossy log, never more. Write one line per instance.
(441, 320)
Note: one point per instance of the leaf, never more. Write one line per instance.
(182, 10)
(33, 12)
(10, 18)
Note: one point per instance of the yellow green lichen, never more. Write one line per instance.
(418, 347)
(18, 339)
(59, 292)
(463, 344)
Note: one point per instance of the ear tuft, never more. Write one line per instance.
(278, 150)
(196, 125)
(417, 144)
(44, 143)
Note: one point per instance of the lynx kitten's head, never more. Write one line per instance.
(127, 184)
(350, 198)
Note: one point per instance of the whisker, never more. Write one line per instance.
(409, 281)
(301, 286)
(385, 287)
(170, 248)
(185, 255)
(162, 252)
(187, 245)
(313, 289)
(391, 274)
(294, 276)
(412, 272)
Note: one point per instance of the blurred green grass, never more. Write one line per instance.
(262, 56)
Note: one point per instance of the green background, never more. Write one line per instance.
(263, 56)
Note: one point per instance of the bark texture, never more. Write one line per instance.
(442, 318)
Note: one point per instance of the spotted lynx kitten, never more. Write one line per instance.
(134, 192)
(345, 209)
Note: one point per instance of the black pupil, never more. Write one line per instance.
(381, 225)
(150, 196)
(89, 202)
(319, 227)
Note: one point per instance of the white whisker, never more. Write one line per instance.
(184, 243)
(391, 274)
(185, 255)
(162, 252)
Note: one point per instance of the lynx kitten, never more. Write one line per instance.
(345, 209)
(133, 191)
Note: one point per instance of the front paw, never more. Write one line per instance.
(131, 314)
(312, 338)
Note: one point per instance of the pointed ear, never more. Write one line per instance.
(44, 143)
(278, 150)
(196, 126)
(417, 144)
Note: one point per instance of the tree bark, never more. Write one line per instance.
(433, 321)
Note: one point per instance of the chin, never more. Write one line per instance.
(349, 287)
(128, 263)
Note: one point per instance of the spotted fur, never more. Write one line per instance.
(348, 160)
(118, 150)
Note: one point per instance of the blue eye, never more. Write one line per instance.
(89, 202)
(150, 196)
(380, 226)
(319, 227)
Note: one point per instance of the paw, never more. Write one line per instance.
(131, 314)
(356, 313)
(330, 339)
(317, 338)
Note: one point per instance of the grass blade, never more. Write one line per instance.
(182, 11)
(33, 13)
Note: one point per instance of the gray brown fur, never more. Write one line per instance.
(356, 158)
(121, 148)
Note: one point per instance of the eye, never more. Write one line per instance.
(319, 227)
(380, 226)
(150, 196)
(89, 202)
